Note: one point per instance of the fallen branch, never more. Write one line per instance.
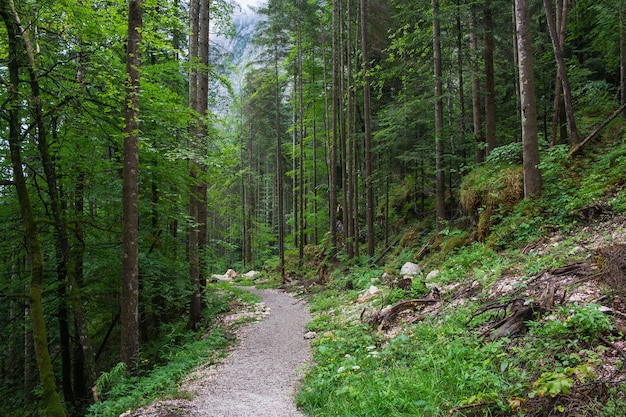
(522, 312)
(612, 345)
(389, 314)
(596, 131)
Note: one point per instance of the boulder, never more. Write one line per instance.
(251, 274)
(410, 269)
(231, 274)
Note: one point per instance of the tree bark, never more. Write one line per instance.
(440, 208)
(369, 184)
(130, 193)
(532, 174)
(622, 56)
(479, 136)
(490, 83)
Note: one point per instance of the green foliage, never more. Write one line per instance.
(165, 363)
(424, 371)
(474, 262)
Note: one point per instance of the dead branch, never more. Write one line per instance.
(596, 131)
(612, 345)
(521, 312)
(389, 314)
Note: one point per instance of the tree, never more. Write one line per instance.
(479, 135)
(561, 70)
(490, 82)
(50, 397)
(532, 174)
(440, 183)
(369, 192)
(130, 192)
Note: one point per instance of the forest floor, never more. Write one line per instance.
(260, 375)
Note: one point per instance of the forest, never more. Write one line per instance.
(150, 144)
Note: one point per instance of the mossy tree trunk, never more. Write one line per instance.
(51, 400)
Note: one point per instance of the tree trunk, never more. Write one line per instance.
(193, 239)
(479, 136)
(490, 83)
(622, 56)
(302, 224)
(440, 207)
(562, 72)
(332, 169)
(203, 108)
(51, 400)
(532, 174)
(369, 183)
(279, 166)
(130, 193)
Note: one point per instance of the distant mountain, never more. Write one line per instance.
(232, 54)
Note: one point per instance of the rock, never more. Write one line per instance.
(251, 274)
(231, 274)
(310, 335)
(217, 277)
(410, 269)
(370, 293)
(432, 274)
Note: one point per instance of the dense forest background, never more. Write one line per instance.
(328, 131)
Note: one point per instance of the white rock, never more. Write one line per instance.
(251, 274)
(231, 274)
(372, 290)
(432, 274)
(217, 277)
(410, 268)
(310, 335)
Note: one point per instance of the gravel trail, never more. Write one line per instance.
(260, 375)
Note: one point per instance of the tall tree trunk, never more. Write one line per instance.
(349, 130)
(440, 205)
(130, 193)
(490, 83)
(479, 136)
(562, 72)
(193, 238)
(332, 169)
(561, 23)
(301, 227)
(203, 109)
(279, 166)
(622, 56)
(367, 121)
(532, 174)
(461, 80)
(51, 400)
(66, 270)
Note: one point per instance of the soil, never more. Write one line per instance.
(261, 374)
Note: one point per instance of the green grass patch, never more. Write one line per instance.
(173, 357)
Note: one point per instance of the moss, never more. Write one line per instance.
(489, 192)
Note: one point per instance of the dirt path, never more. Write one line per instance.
(261, 373)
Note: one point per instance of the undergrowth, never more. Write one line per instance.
(444, 365)
(166, 362)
